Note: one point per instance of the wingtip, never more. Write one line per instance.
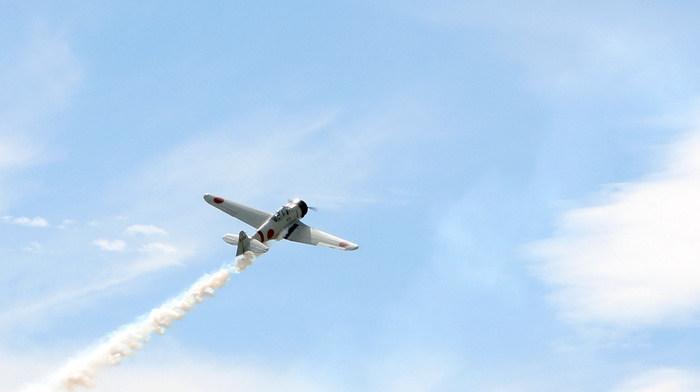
(351, 246)
(211, 199)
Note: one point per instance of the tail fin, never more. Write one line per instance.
(243, 243)
(246, 244)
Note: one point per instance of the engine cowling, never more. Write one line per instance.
(302, 206)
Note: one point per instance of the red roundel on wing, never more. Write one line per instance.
(218, 200)
(270, 234)
(343, 244)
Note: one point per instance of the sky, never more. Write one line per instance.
(522, 179)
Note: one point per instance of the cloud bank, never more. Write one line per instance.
(144, 229)
(662, 380)
(24, 221)
(631, 260)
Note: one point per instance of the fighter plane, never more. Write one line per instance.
(284, 224)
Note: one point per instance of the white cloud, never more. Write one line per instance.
(24, 221)
(186, 373)
(662, 380)
(14, 154)
(154, 256)
(581, 50)
(19, 368)
(66, 223)
(30, 312)
(161, 368)
(110, 246)
(193, 377)
(414, 371)
(37, 306)
(44, 76)
(144, 229)
(34, 247)
(632, 259)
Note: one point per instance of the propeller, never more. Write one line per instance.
(315, 209)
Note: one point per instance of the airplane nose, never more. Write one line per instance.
(352, 246)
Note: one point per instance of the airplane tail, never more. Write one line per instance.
(245, 243)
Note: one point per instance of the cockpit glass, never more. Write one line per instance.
(280, 214)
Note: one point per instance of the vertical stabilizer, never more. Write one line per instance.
(243, 243)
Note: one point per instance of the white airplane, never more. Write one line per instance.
(285, 223)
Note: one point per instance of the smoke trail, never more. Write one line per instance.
(81, 371)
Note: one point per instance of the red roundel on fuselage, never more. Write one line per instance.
(218, 200)
(270, 234)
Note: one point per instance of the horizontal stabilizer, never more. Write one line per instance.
(231, 239)
(257, 246)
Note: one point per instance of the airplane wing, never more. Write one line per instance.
(300, 232)
(242, 212)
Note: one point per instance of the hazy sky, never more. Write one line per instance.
(523, 180)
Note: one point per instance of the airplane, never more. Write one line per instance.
(284, 224)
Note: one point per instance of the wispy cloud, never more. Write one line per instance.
(144, 229)
(413, 370)
(35, 246)
(662, 380)
(232, 160)
(14, 154)
(39, 78)
(24, 221)
(45, 75)
(110, 246)
(66, 223)
(187, 371)
(630, 260)
(20, 367)
(158, 247)
(67, 295)
(571, 50)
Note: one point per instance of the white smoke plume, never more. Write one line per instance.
(82, 371)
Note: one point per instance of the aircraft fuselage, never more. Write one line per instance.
(282, 222)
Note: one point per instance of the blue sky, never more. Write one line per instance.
(521, 179)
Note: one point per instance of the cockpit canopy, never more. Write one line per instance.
(286, 210)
